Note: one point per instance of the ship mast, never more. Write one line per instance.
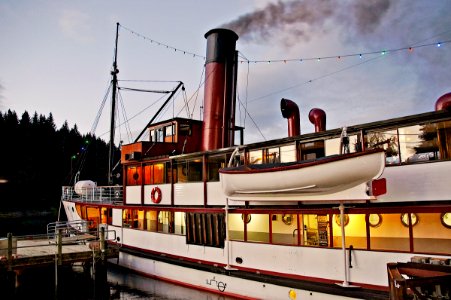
(113, 111)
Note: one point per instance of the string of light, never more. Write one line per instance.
(152, 41)
(360, 55)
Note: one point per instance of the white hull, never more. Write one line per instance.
(217, 283)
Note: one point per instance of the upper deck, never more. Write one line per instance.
(193, 179)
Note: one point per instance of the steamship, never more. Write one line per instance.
(308, 216)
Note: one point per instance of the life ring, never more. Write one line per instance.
(156, 194)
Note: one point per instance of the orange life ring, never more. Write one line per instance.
(156, 194)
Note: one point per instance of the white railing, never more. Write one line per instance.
(68, 228)
(106, 194)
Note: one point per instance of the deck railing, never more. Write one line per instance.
(106, 194)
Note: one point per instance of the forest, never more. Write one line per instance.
(37, 159)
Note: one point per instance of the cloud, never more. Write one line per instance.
(76, 25)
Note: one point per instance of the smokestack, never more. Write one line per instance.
(317, 117)
(290, 111)
(443, 103)
(219, 92)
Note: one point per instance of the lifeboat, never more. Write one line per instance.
(337, 177)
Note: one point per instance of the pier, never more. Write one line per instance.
(65, 244)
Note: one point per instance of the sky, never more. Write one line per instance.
(56, 57)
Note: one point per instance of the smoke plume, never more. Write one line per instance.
(305, 18)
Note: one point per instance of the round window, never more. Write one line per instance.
(405, 219)
(375, 220)
(446, 219)
(338, 219)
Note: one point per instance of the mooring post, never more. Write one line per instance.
(101, 290)
(102, 241)
(10, 251)
(60, 247)
(9, 280)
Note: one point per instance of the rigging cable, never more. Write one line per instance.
(124, 114)
(82, 158)
(195, 95)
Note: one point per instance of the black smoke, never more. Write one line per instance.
(302, 19)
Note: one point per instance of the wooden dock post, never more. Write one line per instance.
(9, 277)
(101, 290)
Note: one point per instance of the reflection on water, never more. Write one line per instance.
(126, 285)
(76, 283)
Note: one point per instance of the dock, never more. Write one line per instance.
(64, 244)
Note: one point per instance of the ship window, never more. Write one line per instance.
(374, 220)
(165, 222)
(214, 164)
(93, 217)
(236, 227)
(106, 215)
(390, 235)
(444, 139)
(155, 173)
(151, 220)
(288, 153)
(314, 230)
(189, 171)
(405, 219)
(169, 133)
(419, 143)
(130, 218)
(258, 228)
(312, 150)
(255, 157)
(134, 176)
(159, 137)
(185, 129)
(332, 146)
(429, 236)
(81, 211)
(205, 229)
(179, 223)
(273, 155)
(387, 140)
(355, 231)
(284, 229)
(446, 219)
(141, 224)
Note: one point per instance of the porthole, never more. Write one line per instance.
(375, 220)
(248, 218)
(405, 219)
(287, 219)
(446, 219)
(239, 260)
(338, 219)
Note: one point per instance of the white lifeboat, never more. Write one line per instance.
(337, 177)
(84, 187)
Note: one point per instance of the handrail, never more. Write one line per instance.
(104, 194)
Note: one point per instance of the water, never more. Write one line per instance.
(74, 283)
(129, 285)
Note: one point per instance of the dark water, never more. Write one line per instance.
(76, 282)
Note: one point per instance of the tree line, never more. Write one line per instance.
(37, 159)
